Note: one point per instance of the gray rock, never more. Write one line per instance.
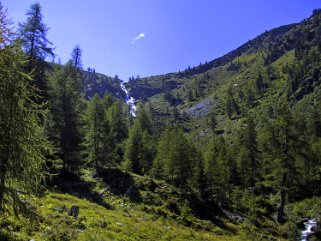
(74, 211)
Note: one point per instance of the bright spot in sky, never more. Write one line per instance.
(139, 36)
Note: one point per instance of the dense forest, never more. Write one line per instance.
(227, 150)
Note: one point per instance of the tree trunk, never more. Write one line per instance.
(280, 208)
(1, 194)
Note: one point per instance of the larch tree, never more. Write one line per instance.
(66, 110)
(97, 130)
(5, 30)
(118, 132)
(139, 147)
(176, 158)
(33, 36)
(248, 154)
(23, 144)
(217, 169)
(282, 146)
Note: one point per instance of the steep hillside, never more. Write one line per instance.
(119, 206)
(228, 150)
(102, 84)
(282, 63)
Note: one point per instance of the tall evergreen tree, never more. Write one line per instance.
(282, 146)
(22, 140)
(312, 164)
(259, 84)
(231, 105)
(5, 31)
(248, 154)
(76, 56)
(139, 147)
(217, 169)
(66, 107)
(33, 35)
(97, 131)
(118, 132)
(176, 157)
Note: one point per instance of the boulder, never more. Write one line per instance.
(74, 211)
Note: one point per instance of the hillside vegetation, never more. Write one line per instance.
(228, 150)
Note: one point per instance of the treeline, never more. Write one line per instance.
(277, 154)
(46, 125)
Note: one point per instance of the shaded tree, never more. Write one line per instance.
(33, 35)
(282, 146)
(23, 144)
(66, 110)
(139, 147)
(248, 154)
(97, 132)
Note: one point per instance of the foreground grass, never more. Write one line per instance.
(127, 221)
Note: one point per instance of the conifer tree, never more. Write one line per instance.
(259, 84)
(231, 105)
(118, 132)
(248, 154)
(97, 131)
(312, 165)
(139, 147)
(33, 35)
(176, 157)
(217, 169)
(66, 107)
(5, 30)
(22, 140)
(161, 162)
(282, 145)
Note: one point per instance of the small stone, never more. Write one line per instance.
(74, 211)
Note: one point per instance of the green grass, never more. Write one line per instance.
(150, 219)
(126, 222)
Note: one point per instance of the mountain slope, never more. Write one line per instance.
(282, 63)
(102, 84)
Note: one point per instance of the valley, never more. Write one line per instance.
(226, 150)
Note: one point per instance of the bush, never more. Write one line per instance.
(290, 230)
(172, 206)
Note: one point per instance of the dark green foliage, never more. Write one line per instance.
(231, 104)
(33, 36)
(5, 30)
(139, 147)
(118, 132)
(66, 111)
(23, 145)
(259, 84)
(282, 145)
(256, 163)
(212, 121)
(105, 132)
(218, 170)
(176, 157)
(248, 154)
(97, 131)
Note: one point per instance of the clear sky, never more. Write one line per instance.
(149, 37)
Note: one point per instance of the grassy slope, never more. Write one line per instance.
(215, 88)
(124, 220)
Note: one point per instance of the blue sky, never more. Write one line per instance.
(149, 37)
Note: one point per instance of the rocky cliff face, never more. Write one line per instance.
(102, 85)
